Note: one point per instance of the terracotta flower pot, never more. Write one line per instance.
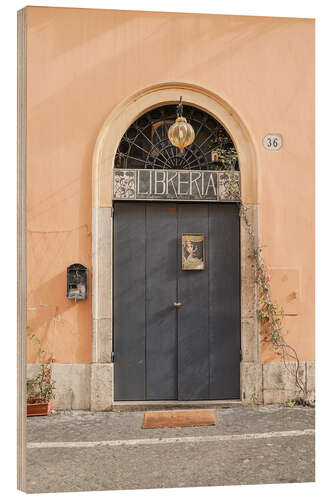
(35, 409)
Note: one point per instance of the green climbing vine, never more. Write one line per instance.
(269, 313)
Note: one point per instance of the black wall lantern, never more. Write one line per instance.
(77, 282)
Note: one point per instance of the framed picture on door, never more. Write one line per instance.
(193, 251)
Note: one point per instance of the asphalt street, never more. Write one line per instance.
(80, 451)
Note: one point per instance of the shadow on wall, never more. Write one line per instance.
(63, 326)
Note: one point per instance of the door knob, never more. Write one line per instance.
(177, 304)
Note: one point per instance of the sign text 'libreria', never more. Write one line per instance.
(175, 185)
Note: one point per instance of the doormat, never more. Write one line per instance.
(178, 418)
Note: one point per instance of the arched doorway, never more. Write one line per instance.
(176, 262)
(109, 153)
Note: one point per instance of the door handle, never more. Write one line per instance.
(177, 304)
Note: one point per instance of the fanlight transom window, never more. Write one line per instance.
(146, 145)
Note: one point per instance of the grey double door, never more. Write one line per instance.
(165, 352)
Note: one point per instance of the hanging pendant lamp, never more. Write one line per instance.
(181, 133)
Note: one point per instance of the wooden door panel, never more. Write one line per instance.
(224, 302)
(193, 320)
(129, 301)
(161, 293)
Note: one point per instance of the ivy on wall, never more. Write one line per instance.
(269, 313)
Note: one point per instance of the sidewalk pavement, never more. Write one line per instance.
(82, 451)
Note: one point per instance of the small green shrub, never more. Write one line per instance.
(41, 388)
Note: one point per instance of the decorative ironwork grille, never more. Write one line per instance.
(146, 145)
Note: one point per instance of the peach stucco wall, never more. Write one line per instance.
(83, 62)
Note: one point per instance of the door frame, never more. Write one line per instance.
(118, 121)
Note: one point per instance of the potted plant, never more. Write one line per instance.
(41, 387)
(224, 156)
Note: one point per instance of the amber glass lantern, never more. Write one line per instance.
(181, 133)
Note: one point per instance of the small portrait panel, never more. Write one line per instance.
(193, 252)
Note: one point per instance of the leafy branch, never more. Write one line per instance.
(41, 388)
(269, 313)
(225, 151)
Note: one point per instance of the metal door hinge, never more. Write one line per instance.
(112, 211)
(241, 355)
(112, 357)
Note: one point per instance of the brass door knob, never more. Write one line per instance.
(177, 304)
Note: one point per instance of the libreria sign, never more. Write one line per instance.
(174, 185)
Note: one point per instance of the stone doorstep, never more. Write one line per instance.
(120, 406)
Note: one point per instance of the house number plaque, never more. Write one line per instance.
(272, 142)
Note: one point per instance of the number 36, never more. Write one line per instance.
(272, 142)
